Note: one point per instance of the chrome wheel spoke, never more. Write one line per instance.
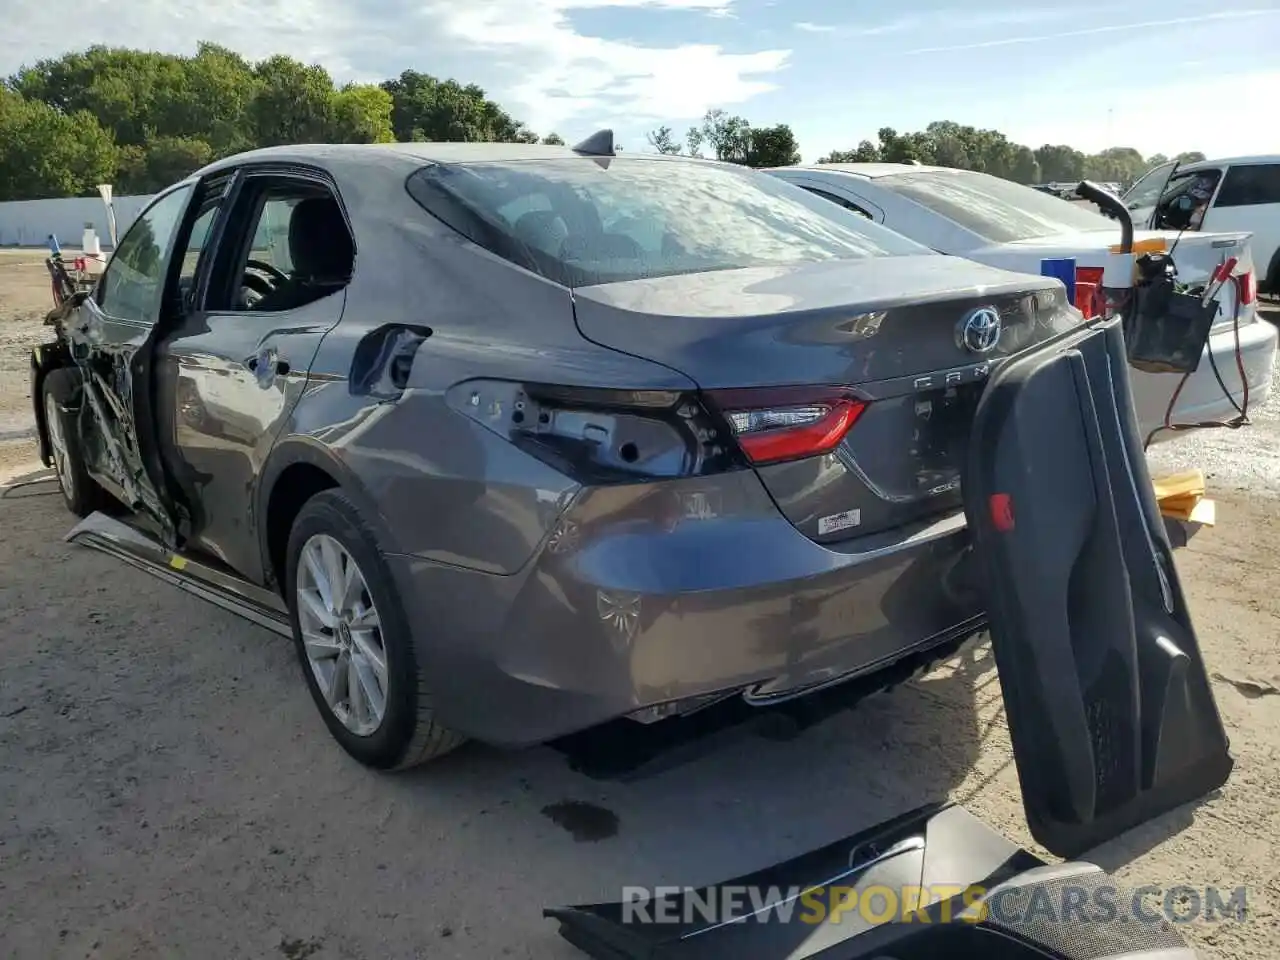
(372, 654)
(312, 604)
(319, 581)
(355, 693)
(366, 619)
(320, 646)
(370, 689)
(337, 691)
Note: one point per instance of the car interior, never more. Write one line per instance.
(317, 259)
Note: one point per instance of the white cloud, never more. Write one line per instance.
(526, 53)
(570, 74)
(808, 27)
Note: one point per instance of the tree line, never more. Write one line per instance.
(943, 143)
(142, 120)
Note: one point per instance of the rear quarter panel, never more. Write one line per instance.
(446, 488)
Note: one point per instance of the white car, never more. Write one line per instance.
(1243, 194)
(1005, 224)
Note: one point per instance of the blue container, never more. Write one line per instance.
(1064, 268)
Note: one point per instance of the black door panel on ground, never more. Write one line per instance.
(1109, 706)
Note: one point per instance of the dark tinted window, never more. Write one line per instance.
(998, 210)
(583, 221)
(1250, 185)
(847, 204)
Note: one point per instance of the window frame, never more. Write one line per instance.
(240, 226)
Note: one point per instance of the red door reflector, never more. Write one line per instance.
(1001, 505)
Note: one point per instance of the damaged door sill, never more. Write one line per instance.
(129, 544)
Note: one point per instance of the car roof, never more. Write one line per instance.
(869, 171)
(375, 154)
(1231, 161)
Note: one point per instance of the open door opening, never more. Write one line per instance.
(1108, 701)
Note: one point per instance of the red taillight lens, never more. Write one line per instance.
(1090, 299)
(776, 425)
(1248, 288)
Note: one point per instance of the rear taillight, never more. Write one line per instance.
(787, 424)
(1090, 299)
(1248, 288)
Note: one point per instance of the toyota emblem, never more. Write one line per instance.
(980, 330)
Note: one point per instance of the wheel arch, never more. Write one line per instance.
(297, 469)
(45, 359)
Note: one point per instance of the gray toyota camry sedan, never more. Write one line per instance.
(514, 440)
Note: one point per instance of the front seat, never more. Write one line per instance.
(322, 254)
(543, 230)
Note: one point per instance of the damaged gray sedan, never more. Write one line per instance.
(516, 440)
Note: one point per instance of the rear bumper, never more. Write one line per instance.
(1202, 398)
(649, 594)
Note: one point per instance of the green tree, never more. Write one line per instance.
(728, 136)
(47, 153)
(1026, 168)
(772, 147)
(424, 108)
(293, 102)
(553, 139)
(164, 161)
(1060, 163)
(664, 141)
(360, 113)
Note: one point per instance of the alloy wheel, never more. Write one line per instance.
(342, 634)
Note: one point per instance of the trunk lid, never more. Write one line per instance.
(1197, 256)
(886, 337)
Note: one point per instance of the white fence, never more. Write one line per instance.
(28, 223)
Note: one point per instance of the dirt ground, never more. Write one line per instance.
(168, 789)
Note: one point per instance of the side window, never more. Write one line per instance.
(1250, 185)
(847, 204)
(287, 245)
(134, 280)
(1185, 201)
(1147, 190)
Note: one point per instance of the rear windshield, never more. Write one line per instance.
(1000, 211)
(587, 221)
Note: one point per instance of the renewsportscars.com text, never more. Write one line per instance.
(882, 904)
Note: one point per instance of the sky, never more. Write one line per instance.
(1180, 75)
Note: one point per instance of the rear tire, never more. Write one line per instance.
(61, 399)
(353, 640)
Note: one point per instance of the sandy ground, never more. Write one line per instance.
(167, 788)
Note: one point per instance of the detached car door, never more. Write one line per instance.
(1108, 702)
(110, 339)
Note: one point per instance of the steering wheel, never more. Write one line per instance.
(254, 286)
(275, 273)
